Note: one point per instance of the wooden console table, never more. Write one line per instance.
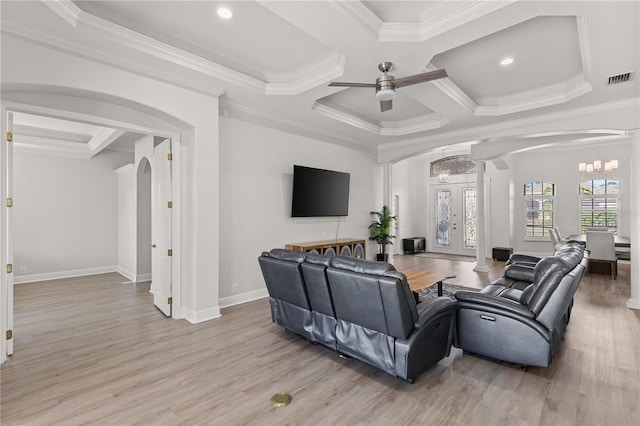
(338, 247)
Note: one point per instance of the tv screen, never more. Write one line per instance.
(318, 192)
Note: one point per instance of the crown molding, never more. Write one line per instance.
(583, 40)
(443, 17)
(66, 9)
(450, 89)
(387, 128)
(387, 150)
(123, 37)
(78, 49)
(134, 40)
(369, 20)
(103, 139)
(527, 100)
(226, 106)
(413, 128)
(345, 118)
(50, 133)
(322, 74)
(52, 146)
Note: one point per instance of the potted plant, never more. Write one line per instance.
(380, 232)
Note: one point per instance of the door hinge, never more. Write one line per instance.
(9, 268)
(170, 301)
(170, 252)
(169, 157)
(170, 204)
(9, 136)
(9, 334)
(9, 202)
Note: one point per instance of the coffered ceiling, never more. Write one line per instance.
(273, 60)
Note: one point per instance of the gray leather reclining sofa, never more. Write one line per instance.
(358, 308)
(521, 318)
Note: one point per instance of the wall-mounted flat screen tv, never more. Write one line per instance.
(319, 192)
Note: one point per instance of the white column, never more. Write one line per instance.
(634, 218)
(481, 252)
(387, 185)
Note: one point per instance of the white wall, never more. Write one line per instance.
(256, 179)
(557, 165)
(141, 104)
(126, 221)
(143, 213)
(65, 215)
(560, 166)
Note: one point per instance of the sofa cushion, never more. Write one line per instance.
(315, 278)
(356, 298)
(284, 278)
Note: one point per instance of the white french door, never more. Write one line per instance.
(453, 219)
(161, 227)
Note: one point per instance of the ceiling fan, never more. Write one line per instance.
(386, 84)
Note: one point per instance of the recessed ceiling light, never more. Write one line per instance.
(225, 13)
(506, 61)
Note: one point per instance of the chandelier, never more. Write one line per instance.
(597, 166)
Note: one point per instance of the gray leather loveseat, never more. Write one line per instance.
(358, 308)
(522, 317)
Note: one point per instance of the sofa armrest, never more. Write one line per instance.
(495, 302)
(430, 340)
(432, 307)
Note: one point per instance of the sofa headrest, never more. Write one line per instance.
(318, 259)
(361, 265)
(546, 277)
(288, 255)
(519, 271)
(569, 247)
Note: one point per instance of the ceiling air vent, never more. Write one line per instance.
(620, 78)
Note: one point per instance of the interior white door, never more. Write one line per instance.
(6, 291)
(454, 220)
(161, 227)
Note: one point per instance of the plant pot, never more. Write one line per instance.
(382, 257)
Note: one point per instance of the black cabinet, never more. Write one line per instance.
(414, 245)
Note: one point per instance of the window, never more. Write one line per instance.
(538, 197)
(599, 203)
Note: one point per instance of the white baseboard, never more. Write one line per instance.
(633, 304)
(21, 279)
(127, 273)
(143, 277)
(195, 317)
(237, 299)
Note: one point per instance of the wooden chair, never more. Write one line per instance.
(602, 248)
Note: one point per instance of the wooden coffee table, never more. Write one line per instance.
(420, 280)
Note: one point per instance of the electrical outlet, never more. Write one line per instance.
(234, 288)
(23, 269)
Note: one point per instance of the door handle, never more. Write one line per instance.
(153, 246)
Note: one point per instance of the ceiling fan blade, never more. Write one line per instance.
(420, 78)
(340, 84)
(386, 105)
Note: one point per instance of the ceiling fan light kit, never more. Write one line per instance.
(386, 84)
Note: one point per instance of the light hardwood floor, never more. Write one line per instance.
(93, 350)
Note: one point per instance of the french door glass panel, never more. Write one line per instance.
(455, 219)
